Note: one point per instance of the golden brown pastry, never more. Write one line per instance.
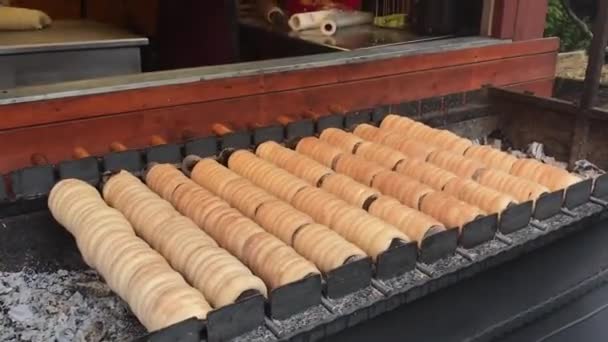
(449, 210)
(337, 137)
(416, 130)
(457, 164)
(229, 227)
(349, 190)
(296, 163)
(411, 148)
(412, 222)
(326, 155)
(179, 240)
(491, 157)
(156, 294)
(426, 173)
(519, 188)
(550, 176)
(380, 154)
(323, 207)
(488, 199)
(408, 191)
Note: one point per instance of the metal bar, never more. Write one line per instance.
(597, 53)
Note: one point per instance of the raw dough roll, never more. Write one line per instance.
(449, 210)
(520, 188)
(491, 157)
(413, 223)
(550, 176)
(408, 191)
(20, 19)
(459, 165)
(338, 19)
(308, 20)
(338, 138)
(323, 153)
(181, 242)
(488, 199)
(131, 268)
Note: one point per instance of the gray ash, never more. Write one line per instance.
(310, 317)
(261, 334)
(62, 306)
(489, 248)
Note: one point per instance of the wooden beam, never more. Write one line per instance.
(91, 106)
(57, 140)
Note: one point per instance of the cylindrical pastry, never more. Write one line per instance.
(229, 227)
(411, 148)
(131, 268)
(380, 154)
(412, 222)
(491, 157)
(325, 154)
(349, 190)
(488, 199)
(178, 239)
(459, 165)
(550, 176)
(520, 188)
(449, 210)
(296, 163)
(323, 207)
(406, 190)
(426, 173)
(345, 141)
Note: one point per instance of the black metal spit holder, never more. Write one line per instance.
(288, 300)
(300, 128)
(348, 278)
(31, 187)
(548, 205)
(268, 133)
(515, 217)
(86, 169)
(438, 246)
(202, 147)
(398, 259)
(355, 118)
(131, 160)
(167, 153)
(578, 194)
(479, 231)
(236, 319)
(329, 121)
(239, 139)
(600, 188)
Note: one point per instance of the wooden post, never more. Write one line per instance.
(597, 53)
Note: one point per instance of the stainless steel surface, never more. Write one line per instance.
(68, 35)
(63, 66)
(182, 76)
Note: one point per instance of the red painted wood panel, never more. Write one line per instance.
(57, 140)
(505, 12)
(28, 114)
(531, 19)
